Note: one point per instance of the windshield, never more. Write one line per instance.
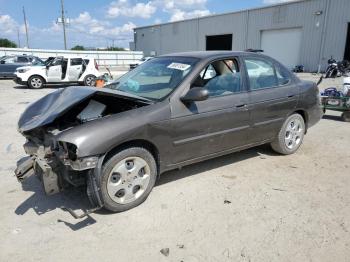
(156, 78)
(37, 61)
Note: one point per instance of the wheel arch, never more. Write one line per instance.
(37, 75)
(135, 143)
(305, 116)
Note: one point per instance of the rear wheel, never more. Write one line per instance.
(291, 135)
(89, 80)
(36, 82)
(127, 179)
(345, 116)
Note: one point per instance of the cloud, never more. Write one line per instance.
(277, 1)
(183, 9)
(123, 8)
(8, 25)
(181, 15)
(183, 4)
(83, 29)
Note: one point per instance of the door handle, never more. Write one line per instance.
(290, 96)
(241, 105)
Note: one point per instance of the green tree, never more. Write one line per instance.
(7, 43)
(78, 47)
(111, 49)
(115, 49)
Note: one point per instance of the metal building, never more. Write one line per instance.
(306, 32)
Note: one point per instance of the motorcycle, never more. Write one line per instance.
(336, 69)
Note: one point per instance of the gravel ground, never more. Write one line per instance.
(249, 206)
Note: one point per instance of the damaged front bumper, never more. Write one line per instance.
(55, 170)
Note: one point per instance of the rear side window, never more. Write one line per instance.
(76, 61)
(261, 73)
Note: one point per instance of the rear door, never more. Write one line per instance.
(273, 95)
(75, 69)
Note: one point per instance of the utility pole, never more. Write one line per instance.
(64, 25)
(25, 24)
(18, 40)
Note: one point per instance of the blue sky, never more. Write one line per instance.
(99, 23)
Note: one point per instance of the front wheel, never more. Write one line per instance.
(127, 179)
(291, 135)
(36, 82)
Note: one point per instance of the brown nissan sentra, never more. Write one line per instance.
(168, 112)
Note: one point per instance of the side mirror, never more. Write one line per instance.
(195, 94)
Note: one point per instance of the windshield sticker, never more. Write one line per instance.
(179, 66)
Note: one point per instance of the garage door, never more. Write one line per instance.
(284, 45)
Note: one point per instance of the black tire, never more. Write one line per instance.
(36, 82)
(89, 80)
(106, 176)
(345, 116)
(279, 144)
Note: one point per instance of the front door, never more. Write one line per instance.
(217, 124)
(54, 70)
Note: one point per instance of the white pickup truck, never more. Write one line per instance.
(59, 70)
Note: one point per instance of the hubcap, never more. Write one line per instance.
(128, 180)
(294, 133)
(36, 82)
(89, 81)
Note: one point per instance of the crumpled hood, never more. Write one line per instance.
(47, 109)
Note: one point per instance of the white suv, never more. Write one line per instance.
(58, 71)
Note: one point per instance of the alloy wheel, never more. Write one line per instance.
(293, 134)
(36, 82)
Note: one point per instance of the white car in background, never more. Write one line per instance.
(59, 70)
(141, 61)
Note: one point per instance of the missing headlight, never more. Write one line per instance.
(69, 150)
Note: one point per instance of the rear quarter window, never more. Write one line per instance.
(283, 76)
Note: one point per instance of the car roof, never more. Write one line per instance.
(208, 54)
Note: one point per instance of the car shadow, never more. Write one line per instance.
(214, 163)
(40, 203)
(332, 117)
(76, 198)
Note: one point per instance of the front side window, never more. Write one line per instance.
(10, 60)
(156, 78)
(57, 61)
(221, 78)
(261, 73)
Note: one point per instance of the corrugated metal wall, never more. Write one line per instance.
(323, 34)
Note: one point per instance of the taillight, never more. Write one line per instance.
(96, 65)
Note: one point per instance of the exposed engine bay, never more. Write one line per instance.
(56, 162)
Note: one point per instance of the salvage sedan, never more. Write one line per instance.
(116, 141)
